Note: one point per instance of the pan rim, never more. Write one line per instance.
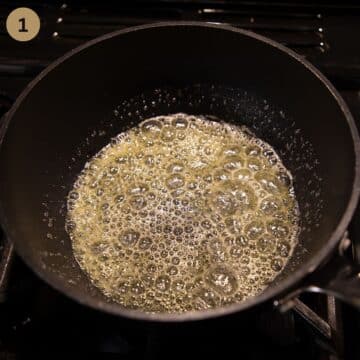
(308, 267)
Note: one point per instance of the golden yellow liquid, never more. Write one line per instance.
(182, 213)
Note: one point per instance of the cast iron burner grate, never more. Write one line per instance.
(35, 317)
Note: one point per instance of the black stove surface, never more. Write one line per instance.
(36, 318)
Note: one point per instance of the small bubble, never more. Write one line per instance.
(206, 224)
(172, 270)
(246, 197)
(151, 128)
(113, 170)
(178, 230)
(266, 244)
(254, 229)
(222, 280)
(253, 151)
(162, 282)
(123, 287)
(74, 195)
(149, 160)
(119, 198)
(233, 163)
(276, 264)
(254, 164)
(188, 229)
(137, 288)
(268, 182)
(233, 225)
(138, 202)
(129, 237)
(231, 151)
(175, 181)
(122, 159)
(243, 175)
(145, 243)
(138, 189)
(224, 202)
(278, 229)
(283, 249)
(180, 123)
(270, 205)
(151, 268)
(178, 285)
(221, 175)
(70, 226)
(175, 167)
(168, 133)
(236, 252)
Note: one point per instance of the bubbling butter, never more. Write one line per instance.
(182, 213)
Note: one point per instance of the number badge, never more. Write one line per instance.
(23, 24)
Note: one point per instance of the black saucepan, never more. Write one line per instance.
(78, 103)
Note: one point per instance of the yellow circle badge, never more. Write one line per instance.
(23, 24)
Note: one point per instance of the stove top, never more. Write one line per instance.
(34, 317)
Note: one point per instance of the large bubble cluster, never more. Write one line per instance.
(182, 213)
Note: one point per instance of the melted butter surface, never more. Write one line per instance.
(181, 213)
